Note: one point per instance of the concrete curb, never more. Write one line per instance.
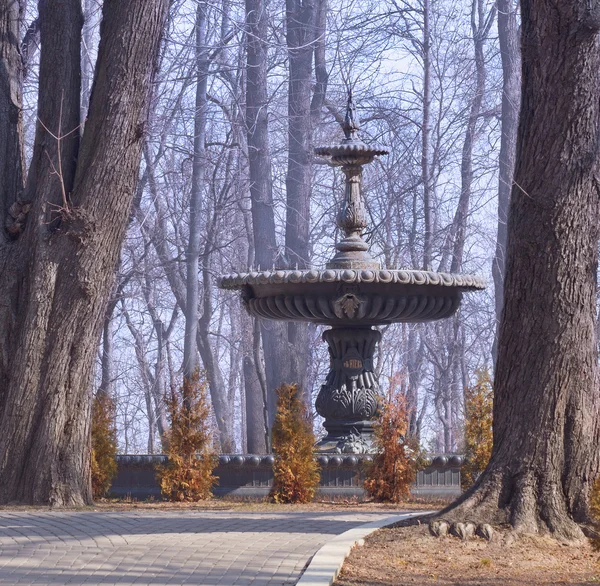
(326, 564)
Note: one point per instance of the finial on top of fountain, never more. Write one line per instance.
(351, 154)
(351, 123)
(351, 150)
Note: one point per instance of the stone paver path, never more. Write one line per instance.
(159, 548)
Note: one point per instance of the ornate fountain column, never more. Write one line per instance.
(349, 399)
(351, 154)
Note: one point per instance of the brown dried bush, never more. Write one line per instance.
(188, 474)
(479, 405)
(393, 470)
(295, 472)
(104, 444)
(594, 536)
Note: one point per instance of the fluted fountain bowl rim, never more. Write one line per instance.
(352, 276)
(351, 147)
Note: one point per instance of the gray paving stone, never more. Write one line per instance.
(159, 548)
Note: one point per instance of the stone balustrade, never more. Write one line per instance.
(252, 476)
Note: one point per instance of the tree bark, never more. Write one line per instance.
(11, 131)
(546, 409)
(68, 264)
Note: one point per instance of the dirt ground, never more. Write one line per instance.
(409, 556)
(259, 506)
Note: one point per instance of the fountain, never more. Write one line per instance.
(352, 295)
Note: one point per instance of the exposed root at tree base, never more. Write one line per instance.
(522, 505)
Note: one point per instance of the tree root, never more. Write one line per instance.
(521, 505)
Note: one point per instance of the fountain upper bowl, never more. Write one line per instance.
(351, 297)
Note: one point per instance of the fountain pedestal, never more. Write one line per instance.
(349, 400)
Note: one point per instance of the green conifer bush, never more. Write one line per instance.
(296, 473)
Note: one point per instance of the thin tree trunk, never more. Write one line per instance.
(480, 27)
(190, 349)
(414, 365)
(106, 387)
(300, 35)
(274, 334)
(254, 384)
(451, 341)
(86, 57)
(426, 171)
(508, 37)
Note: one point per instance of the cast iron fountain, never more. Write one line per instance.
(353, 294)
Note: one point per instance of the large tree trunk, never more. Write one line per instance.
(59, 288)
(508, 38)
(546, 412)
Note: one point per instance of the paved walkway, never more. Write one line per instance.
(156, 548)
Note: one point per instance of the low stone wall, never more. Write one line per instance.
(252, 476)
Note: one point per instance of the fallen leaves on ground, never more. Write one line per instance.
(407, 556)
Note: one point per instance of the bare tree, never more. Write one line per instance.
(274, 335)
(57, 276)
(546, 408)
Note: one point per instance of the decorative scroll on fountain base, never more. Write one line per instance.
(349, 399)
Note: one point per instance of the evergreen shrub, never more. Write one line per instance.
(479, 405)
(104, 444)
(295, 472)
(393, 470)
(188, 473)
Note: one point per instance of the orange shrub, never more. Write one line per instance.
(104, 444)
(295, 472)
(393, 469)
(479, 404)
(595, 501)
(188, 474)
(595, 514)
